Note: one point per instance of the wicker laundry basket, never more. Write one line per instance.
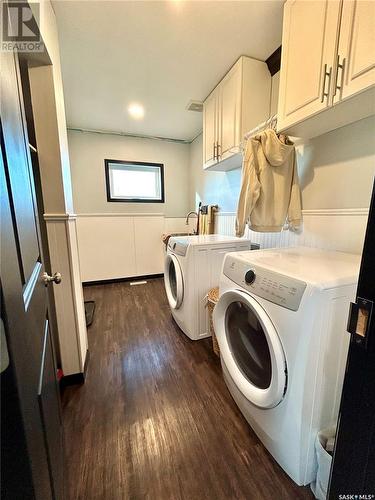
(212, 300)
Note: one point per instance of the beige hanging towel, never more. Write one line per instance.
(270, 196)
(207, 219)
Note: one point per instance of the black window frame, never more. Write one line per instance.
(134, 200)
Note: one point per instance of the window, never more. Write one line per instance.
(134, 181)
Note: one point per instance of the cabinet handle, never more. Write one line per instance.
(338, 67)
(217, 150)
(214, 154)
(329, 74)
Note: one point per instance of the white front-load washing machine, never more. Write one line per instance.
(281, 327)
(192, 266)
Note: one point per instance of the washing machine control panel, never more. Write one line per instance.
(275, 287)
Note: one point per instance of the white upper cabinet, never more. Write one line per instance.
(230, 107)
(328, 55)
(238, 103)
(356, 52)
(308, 56)
(210, 125)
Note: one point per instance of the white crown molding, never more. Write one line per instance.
(116, 214)
(134, 136)
(59, 217)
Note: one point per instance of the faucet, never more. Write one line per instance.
(195, 231)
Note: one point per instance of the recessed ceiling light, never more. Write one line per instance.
(136, 111)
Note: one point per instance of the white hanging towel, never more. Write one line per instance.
(270, 196)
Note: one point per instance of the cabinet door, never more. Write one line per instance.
(356, 53)
(230, 112)
(309, 43)
(210, 128)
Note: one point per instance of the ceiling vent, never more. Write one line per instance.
(195, 106)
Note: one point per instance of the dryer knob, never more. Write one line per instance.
(250, 277)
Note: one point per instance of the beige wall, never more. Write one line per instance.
(336, 170)
(336, 173)
(220, 188)
(87, 154)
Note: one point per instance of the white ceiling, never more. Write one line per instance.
(160, 54)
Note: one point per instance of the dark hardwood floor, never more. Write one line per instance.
(154, 419)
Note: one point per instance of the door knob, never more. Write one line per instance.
(56, 278)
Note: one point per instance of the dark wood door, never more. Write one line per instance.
(353, 468)
(25, 303)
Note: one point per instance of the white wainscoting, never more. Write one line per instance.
(117, 245)
(334, 229)
(122, 245)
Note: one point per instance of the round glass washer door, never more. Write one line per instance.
(174, 284)
(250, 348)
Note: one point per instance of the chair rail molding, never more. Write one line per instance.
(318, 211)
(336, 211)
(121, 214)
(59, 217)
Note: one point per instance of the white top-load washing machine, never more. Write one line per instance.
(192, 266)
(281, 327)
